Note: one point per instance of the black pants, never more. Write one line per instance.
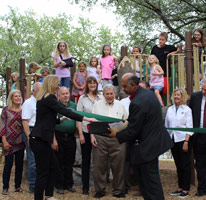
(19, 158)
(86, 159)
(200, 158)
(66, 158)
(182, 162)
(149, 180)
(46, 165)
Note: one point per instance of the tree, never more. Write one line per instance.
(145, 18)
(36, 38)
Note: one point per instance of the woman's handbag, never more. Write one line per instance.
(68, 61)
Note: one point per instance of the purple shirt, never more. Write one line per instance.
(62, 72)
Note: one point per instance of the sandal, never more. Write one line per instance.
(19, 190)
(5, 192)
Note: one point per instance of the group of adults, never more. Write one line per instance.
(52, 155)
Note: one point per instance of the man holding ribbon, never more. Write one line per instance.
(147, 135)
(108, 150)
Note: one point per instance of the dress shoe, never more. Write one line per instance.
(120, 195)
(60, 191)
(200, 194)
(70, 189)
(99, 195)
(85, 191)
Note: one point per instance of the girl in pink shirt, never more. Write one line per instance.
(62, 52)
(156, 77)
(107, 64)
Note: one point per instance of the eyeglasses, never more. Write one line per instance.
(197, 35)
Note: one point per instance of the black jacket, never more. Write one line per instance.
(195, 105)
(46, 118)
(146, 126)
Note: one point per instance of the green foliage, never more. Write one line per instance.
(35, 38)
(144, 19)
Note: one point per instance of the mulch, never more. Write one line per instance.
(168, 178)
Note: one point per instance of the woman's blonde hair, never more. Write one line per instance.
(10, 98)
(184, 94)
(66, 52)
(49, 86)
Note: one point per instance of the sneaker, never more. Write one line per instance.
(183, 195)
(177, 192)
(5, 192)
(70, 189)
(60, 191)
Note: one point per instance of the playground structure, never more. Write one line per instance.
(184, 68)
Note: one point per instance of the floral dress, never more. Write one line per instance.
(80, 81)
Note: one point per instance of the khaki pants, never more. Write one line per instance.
(109, 150)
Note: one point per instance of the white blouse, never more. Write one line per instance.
(180, 118)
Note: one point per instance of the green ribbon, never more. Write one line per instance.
(195, 130)
(98, 117)
(111, 119)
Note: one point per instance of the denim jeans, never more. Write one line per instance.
(65, 82)
(31, 163)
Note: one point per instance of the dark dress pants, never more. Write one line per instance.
(66, 158)
(182, 162)
(199, 148)
(149, 180)
(46, 165)
(19, 158)
(86, 160)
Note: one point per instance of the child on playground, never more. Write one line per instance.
(156, 77)
(34, 70)
(44, 72)
(14, 77)
(93, 70)
(163, 52)
(198, 41)
(62, 52)
(79, 81)
(137, 50)
(114, 77)
(107, 64)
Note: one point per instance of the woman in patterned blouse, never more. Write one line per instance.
(12, 144)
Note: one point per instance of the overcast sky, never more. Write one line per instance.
(55, 7)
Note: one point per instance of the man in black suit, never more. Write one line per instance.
(197, 104)
(147, 136)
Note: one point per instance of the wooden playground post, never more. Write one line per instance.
(189, 86)
(189, 65)
(22, 78)
(72, 72)
(8, 79)
(124, 50)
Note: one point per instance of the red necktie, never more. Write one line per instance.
(204, 116)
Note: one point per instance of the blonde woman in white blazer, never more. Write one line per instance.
(179, 115)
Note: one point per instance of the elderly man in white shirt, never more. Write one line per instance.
(180, 116)
(28, 121)
(108, 149)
